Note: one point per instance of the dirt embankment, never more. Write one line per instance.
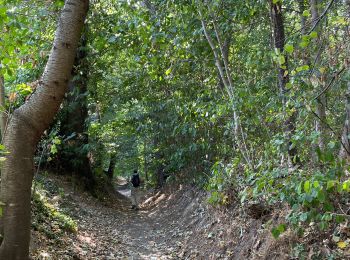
(200, 231)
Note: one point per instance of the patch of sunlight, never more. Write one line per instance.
(45, 255)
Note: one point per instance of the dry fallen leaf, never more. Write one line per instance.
(12, 97)
(342, 244)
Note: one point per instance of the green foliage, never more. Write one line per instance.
(277, 231)
(221, 183)
(156, 100)
(312, 196)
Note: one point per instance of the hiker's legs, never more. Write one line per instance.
(134, 197)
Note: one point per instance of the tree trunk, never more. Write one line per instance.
(112, 163)
(3, 116)
(345, 141)
(302, 8)
(321, 121)
(283, 76)
(26, 126)
(222, 64)
(145, 162)
(304, 28)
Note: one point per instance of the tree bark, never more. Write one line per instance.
(3, 116)
(283, 76)
(26, 126)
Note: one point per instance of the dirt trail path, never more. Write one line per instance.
(114, 231)
(171, 225)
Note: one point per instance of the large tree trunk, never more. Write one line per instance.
(283, 76)
(26, 127)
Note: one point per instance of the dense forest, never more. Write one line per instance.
(234, 114)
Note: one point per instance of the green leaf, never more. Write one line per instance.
(339, 219)
(304, 44)
(330, 184)
(321, 196)
(346, 186)
(289, 85)
(56, 140)
(306, 13)
(281, 59)
(324, 225)
(2, 12)
(307, 187)
(316, 184)
(313, 35)
(53, 149)
(168, 71)
(300, 188)
(303, 217)
(302, 68)
(289, 48)
(277, 231)
(327, 217)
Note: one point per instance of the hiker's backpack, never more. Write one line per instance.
(135, 180)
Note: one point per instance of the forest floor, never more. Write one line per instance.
(174, 224)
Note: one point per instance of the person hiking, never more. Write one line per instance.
(135, 190)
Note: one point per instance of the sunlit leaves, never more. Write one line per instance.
(289, 48)
(306, 13)
(313, 35)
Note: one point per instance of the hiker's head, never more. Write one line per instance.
(135, 171)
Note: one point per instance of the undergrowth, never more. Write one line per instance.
(48, 219)
(316, 199)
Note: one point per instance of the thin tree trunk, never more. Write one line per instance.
(26, 126)
(304, 27)
(3, 122)
(3, 116)
(345, 147)
(302, 8)
(145, 163)
(283, 76)
(111, 167)
(345, 139)
(320, 123)
(222, 64)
